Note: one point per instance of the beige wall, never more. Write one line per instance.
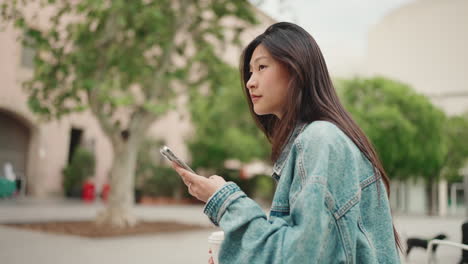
(49, 143)
(425, 45)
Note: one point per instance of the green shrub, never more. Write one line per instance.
(81, 167)
(163, 181)
(153, 177)
(264, 187)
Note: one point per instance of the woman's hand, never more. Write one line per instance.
(198, 186)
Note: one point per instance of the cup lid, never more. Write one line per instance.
(218, 235)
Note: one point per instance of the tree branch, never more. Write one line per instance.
(96, 108)
(167, 53)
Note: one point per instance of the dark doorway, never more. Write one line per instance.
(14, 144)
(75, 140)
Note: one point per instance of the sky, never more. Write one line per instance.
(339, 26)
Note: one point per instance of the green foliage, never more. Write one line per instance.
(406, 129)
(81, 167)
(162, 181)
(457, 157)
(224, 128)
(122, 54)
(264, 187)
(154, 178)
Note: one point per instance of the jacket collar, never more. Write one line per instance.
(279, 164)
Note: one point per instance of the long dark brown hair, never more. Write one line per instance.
(311, 95)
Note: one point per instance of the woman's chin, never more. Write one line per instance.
(261, 112)
(258, 111)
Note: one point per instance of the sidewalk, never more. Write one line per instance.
(27, 210)
(21, 246)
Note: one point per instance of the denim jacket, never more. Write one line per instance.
(330, 206)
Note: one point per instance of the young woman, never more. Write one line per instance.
(331, 201)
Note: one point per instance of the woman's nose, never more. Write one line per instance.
(251, 83)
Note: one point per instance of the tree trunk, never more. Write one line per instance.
(121, 198)
(434, 197)
(431, 190)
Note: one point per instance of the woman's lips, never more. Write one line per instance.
(255, 98)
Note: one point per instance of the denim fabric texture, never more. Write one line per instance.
(330, 206)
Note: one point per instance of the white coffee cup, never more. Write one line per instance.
(214, 242)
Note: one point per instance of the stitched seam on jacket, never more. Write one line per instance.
(302, 172)
(311, 180)
(280, 206)
(226, 190)
(364, 231)
(341, 211)
(279, 209)
(343, 237)
(226, 203)
(348, 205)
(369, 180)
(211, 209)
(278, 168)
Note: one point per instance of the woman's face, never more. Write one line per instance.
(268, 83)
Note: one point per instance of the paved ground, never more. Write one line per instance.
(426, 227)
(20, 246)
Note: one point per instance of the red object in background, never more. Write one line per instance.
(87, 193)
(105, 192)
(243, 174)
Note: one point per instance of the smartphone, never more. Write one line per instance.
(168, 154)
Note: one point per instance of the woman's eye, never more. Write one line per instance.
(261, 67)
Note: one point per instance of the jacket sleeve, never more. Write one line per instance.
(251, 238)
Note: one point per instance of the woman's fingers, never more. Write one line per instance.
(190, 179)
(187, 176)
(180, 172)
(199, 186)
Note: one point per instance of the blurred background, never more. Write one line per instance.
(90, 90)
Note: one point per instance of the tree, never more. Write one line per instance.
(224, 128)
(457, 156)
(126, 61)
(407, 131)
